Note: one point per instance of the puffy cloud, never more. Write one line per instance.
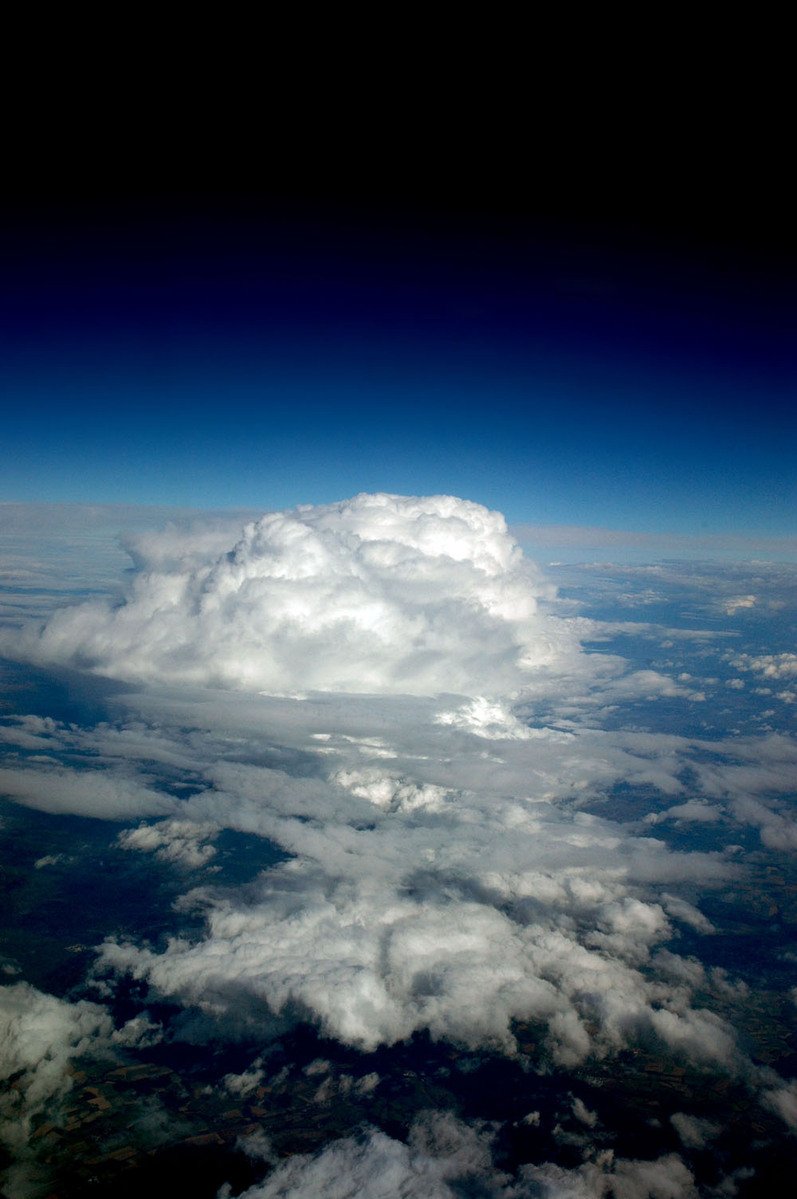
(737, 603)
(393, 794)
(444, 1157)
(138, 1033)
(439, 879)
(583, 1113)
(680, 909)
(694, 810)
(783, 1101)
(769, 666)
(441, 1157)
(665, 1178)
(39, 1038)
(376, 594)
(403, 910)
(776, 830)
(695, 1133)
(184, 842)
(247, 1082)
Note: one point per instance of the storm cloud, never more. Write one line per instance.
(378, 594)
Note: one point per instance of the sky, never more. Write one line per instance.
(384, 807)
(263, 351)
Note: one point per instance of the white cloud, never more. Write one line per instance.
(39, 1038)
(376, 594)
(699, 811)
(443, 874)
(737, 603)
(440, 1151)
(583, 1113)
(665, 1178)
(769, 666)
(99, 793)
(680, 909)
(139, 1032)
(31, 732)
(783, 1101)
(184, 842)
(444, 1157)
(50, 859)
(439, 879)
(695, 1133)
(410, 904)
(489, 719)
(246, 1083)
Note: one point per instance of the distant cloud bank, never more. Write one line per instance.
(575, 540)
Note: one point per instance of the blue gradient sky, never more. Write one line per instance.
(254, 356)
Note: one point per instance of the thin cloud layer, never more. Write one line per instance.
(378, 594)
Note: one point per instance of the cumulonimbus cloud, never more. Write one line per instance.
(378, 594)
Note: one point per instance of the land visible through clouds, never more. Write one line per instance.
(397, 686)
(535, 934)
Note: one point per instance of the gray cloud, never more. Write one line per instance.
(445, 1157)
(441, 1155)
(40, 1037)
(102, 794)
(695, 1133)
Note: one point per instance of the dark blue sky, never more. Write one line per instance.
(266, 353)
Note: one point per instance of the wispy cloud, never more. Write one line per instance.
(585, 539)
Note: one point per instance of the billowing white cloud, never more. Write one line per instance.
(442, 876)
(377, 594)
(451, 890)
(184, 842)
(769, 666)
